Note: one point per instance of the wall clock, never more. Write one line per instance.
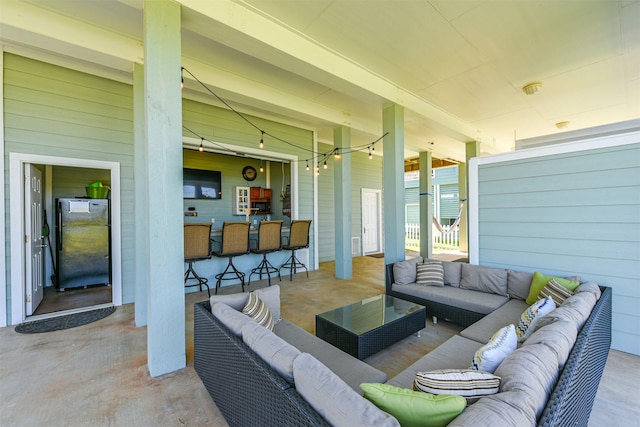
(249, 173)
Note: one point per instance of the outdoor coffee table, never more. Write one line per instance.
(368, 326)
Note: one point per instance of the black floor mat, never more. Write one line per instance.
(64, 322)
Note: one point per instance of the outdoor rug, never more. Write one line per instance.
(64, 322)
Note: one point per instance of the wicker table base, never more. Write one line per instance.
(366, 327)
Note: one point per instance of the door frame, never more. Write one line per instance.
(378, 194)
(17, 226)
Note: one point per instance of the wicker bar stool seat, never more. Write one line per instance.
(197, 247)
(269, 240)
(234, 242)
(298, 239)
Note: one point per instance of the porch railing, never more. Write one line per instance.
(448, 240)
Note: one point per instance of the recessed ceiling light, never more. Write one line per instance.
(532, 88)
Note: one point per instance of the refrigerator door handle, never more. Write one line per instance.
(59, 228)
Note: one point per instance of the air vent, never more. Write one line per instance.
(355, 245)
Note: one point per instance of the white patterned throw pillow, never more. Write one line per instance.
(532, 315)
(430, 273)
(259, 311)
(490, 356)
(468, 383)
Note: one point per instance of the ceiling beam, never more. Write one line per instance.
(310, 54)
(251, 91)
(32, 25)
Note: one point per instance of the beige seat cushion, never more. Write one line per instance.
(533, 371)
(332, 398)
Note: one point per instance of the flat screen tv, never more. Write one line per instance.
(201, 184)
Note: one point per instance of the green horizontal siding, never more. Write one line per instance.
(226, 128)
(365, 173)
(56, 111)
(51, 110)
(569, 214)
(445, 176)
(449, 201)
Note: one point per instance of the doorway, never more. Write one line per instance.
(371, 221)
(62, 177)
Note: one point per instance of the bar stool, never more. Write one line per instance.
(269, 240)
(298, 239)
(234, 242)
(197, 247)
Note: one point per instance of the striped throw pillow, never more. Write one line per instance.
(430, 273)
(467, 383)
(556, 291)
(258, 310)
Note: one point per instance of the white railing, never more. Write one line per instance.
(412, 237)
(447, 240)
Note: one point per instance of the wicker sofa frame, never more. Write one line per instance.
(246, 389)
(249, 392)
(453, 314)
(572, 398)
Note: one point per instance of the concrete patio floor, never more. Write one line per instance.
(96, 375)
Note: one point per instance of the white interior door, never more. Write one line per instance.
(371, 227)
(34, 240)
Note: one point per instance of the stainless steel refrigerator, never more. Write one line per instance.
(83, 242)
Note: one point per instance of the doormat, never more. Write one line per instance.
(376, 255)
(67, 321)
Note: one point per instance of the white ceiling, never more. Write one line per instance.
(457, 66)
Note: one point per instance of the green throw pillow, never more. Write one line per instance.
(539, 280)
(414, 408)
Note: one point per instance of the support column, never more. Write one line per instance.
(426, 204)
(464, 215)
(393, 183)
(166, 349)
(140, 200)
(342, 201)
(472, 150)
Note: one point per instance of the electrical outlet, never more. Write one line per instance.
(255, 221)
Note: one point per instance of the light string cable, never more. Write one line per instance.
(316, 156)
(216, 144)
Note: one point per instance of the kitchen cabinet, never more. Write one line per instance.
(260, 200)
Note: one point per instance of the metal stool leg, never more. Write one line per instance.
(292, 264)
(265, 267)
(238, 275)
(191, 274)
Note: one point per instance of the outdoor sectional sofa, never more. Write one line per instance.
(258, 377)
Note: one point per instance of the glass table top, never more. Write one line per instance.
(370, 313)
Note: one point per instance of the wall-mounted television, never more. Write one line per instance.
(201, 184)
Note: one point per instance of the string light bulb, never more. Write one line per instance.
(325, 165)
(261, 168)
(307, 165)
(183, 70)
(336, 153)
(201, 149)
(318, 169)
